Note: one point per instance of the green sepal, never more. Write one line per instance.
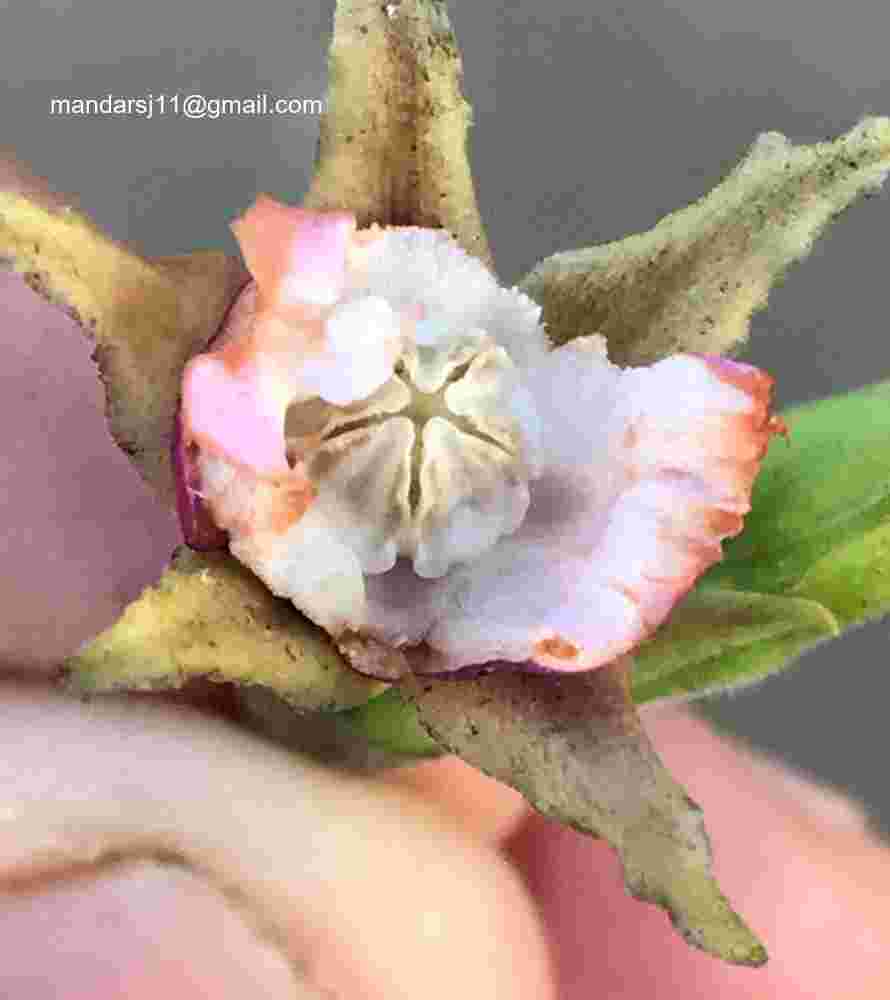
(208, 616)
(692, 282)
(573, 745)
(145, 316)
(393, 143)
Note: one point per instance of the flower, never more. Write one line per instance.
(389, 440)
(603, 492)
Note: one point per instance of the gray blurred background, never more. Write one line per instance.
(592, 121)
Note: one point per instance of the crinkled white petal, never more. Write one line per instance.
(575, 390)
(290, 545)
(312, 566)
(363, 341)
(514, 320)
(514, 601)
(408, 266)
(402, 607)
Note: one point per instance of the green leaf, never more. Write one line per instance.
(692, 282)
(393, 146)
(390, 722)
(573, 745)
(210, 617)
(383, 734)
(854, 579)
(718, 639)
(821, 509)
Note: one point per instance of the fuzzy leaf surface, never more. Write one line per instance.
(208, 616)
(574, 747)
(393, 141)
(692, 282)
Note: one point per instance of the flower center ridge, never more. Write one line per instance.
(434, 464)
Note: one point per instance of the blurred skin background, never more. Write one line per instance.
(591, 122)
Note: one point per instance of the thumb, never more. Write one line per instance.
(148, 851)
(798, 863)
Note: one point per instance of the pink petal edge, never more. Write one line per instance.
(198, 527)
(235, 397)
(752, 432)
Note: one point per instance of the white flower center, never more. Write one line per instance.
(433, 465)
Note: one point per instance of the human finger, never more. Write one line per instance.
(799, 863)
(350, 887)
